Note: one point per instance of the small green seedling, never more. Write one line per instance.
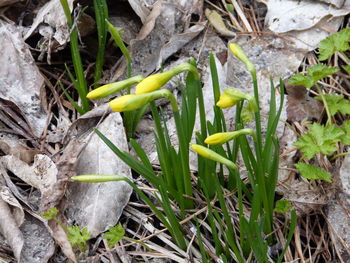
(283, 206)
(114, 235)
(78, 237)
(338, 42)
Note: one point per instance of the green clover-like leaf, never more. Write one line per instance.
(312, 172)
(346, 128)
(282, 206)
(319, 139)
(78, 237)
(346, 68)
(336, 103)
(320, 71)
(301, 80)
(335, 42)
(50, 213)
(114, 235)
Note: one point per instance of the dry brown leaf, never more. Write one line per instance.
(8, 2)
(305, 22)
(41, 175)
(52, 14)
(11, 145)
(20, 79)
(177, 41)
(10, 230)
(218, 23)
(140, 9)
(99, 205)
(300, 106)
(61, 238)
(66, 169)
(150, 21)
(17, 209)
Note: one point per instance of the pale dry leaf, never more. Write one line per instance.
(305, 22)
(146, 52)
(20, 79)
(217, 22)
(41, 175)
(85, 199)
(150, 21)
(288, 15)
(61, 239)
(305, 198)
(17, 209)
(10, 230)
(11, 145)
(8, 2)
(65, 165)
(52, 14)
(177, 41)
(140, 9)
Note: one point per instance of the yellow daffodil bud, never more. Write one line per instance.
(109, 89)
(132, 102)
(242, 56)
(123, 103)
(153, 82)
(222, 137)
(231, 97)
(211, 155)
(156, 81)
(226, 101)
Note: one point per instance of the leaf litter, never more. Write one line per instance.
(47, 172)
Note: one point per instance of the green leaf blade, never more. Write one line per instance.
(319, 139)
(300, 79)
(114, 235)
(312, 172)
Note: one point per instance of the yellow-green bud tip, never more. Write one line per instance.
(242, 56)
(120, 104)
(227, 101)
(153, 82)
(218, 138)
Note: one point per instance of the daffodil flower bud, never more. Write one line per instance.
(109, 89)
(242, 56)
(226, 101)
(231, 97)
(133, 102)
(211, 155)
(222, 137)
(156, 81)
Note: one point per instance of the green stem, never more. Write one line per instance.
(184, 156)
(101, 14)
(329, 116)
(78, 66)
(260, 173)
(339, 155)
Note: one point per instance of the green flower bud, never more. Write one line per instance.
(133, 102)
(222, 137)
(211, 155)
(242, 56)
(156, 81)
(109, 89)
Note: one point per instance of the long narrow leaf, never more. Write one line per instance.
(101, 14)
